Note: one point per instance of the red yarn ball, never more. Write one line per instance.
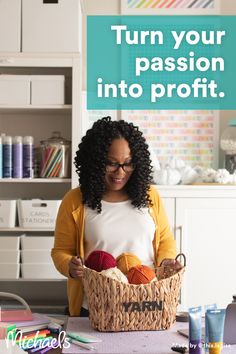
(100, 260)
(140, 274)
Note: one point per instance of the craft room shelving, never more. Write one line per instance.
(40, 121)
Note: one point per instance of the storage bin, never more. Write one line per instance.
(47, 89)
(10, 25)
(37, 242)
(37, 256)
(51, 26)
(40, 271)
(7, 213)
(9, 256)
(10, 243)
(37, 213)
(15, 90)
(9, 271)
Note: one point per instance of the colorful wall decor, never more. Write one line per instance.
(170, 6)
(189, 135)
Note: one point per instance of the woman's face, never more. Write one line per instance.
(115, 177)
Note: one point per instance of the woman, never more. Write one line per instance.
(115, 209)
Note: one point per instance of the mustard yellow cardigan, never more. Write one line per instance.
(69, 240)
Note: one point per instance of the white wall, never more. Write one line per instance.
(112, 7)
(96, 7)
(102, 7)
(228, 7)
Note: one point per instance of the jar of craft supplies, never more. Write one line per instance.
(55, 157)
(228, 145)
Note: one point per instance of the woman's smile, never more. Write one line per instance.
(118, 181)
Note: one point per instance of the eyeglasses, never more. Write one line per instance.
(114, 166)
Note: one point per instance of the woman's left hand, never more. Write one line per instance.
(173, 263)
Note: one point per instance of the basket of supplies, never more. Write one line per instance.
(117, 306)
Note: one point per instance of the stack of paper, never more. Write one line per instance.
(38, 322)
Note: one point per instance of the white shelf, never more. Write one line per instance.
(35, 180)
(42, 108)
(36, 60)
(23, 229)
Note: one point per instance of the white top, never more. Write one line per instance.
(120, 228)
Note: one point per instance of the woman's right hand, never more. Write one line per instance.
(76, 268)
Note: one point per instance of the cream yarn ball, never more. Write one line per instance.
(115, 273)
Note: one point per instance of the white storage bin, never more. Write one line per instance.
(9, 271)
(40, 271)
(36, 256)
(51, 26)
(10, 243)
(47, 89)
(37, 242)
(10, 25)
(7, 213)
(37, 213)
(9, 256)
(15, 89)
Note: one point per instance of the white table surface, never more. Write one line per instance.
(138, 342)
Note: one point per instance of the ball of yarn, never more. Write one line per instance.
(100, 260)
(140, 274)
(126, 261)
(116, 274)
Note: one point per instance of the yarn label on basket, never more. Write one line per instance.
(142, 306)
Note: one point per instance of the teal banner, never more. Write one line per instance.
(161, 62)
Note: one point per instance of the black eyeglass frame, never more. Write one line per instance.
(118, 165)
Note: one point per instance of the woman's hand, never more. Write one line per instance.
(173, 263)
(76, 268)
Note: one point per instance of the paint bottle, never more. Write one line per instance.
(17, 157)
(215, 319)
(1, 154)
(195, 330)
(1, 157)
(230, 323)
(7, 156)
(28, 158)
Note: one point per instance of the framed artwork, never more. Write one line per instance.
(170, 7)
(192, 136)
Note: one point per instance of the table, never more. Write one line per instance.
(145, 342)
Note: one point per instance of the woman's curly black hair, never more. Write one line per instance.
(90, 162)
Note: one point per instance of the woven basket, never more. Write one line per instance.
(116, 306)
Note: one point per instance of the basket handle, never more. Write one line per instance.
(81, 259)
(183, 256)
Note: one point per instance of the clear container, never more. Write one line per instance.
(228, 145)
(55, 157)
